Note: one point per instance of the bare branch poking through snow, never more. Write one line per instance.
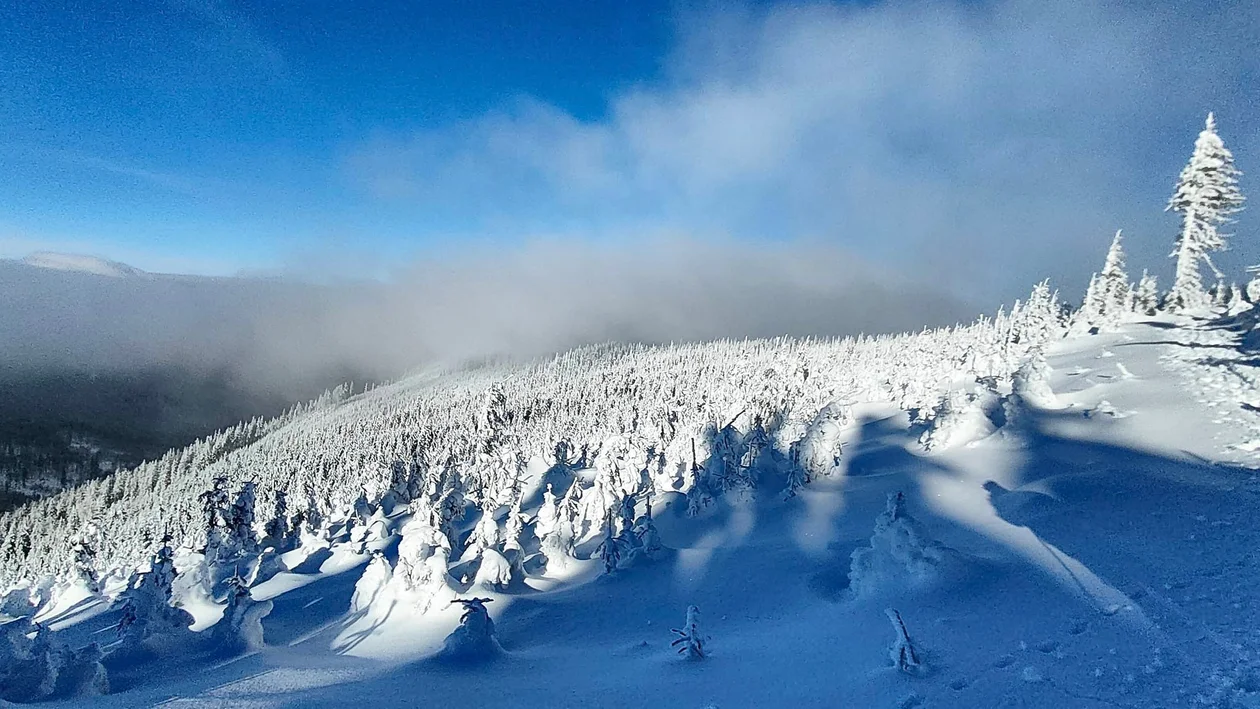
(902, 652)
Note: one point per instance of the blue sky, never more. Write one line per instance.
(216, 130)
(984, 144)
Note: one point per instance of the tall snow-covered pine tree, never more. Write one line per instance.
(1206, 195)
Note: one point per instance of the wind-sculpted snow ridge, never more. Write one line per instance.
(696, 419)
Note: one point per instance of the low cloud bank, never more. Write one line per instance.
(276, 335)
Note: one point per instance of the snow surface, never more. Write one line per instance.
(1099, 553)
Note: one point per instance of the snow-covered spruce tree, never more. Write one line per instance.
(797, 479)
(376, 576)
(494, 571)
(625, 513)
(609, 549)
(649, 540)
(557, 545)
(547, 513)
(1206, 196)
(241, 522)
(700, 493)
(423, 555)
(901, 553)
(902, 652)
(214, 521)
(240, 629)
(514, 533)
(1031, 382)
(277, 528)
(1109, 293)
(1091, 308)
(474, 639)
(1146, 296)
(726, 469)
(690, 641)
(146, 603)
(818, 452)
(629, 545)
(17, 603)
(83, 550)
(485, 534)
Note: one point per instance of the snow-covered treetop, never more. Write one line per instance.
(1210, 180)
(1113, 267)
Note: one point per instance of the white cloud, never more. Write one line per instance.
(1006, 138)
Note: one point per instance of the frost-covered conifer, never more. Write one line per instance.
(557, 545)
(514, 526)
(1236, 298)
(1206, 196)
(1091, 306)
(819, 450)
(474, 639)
(376, 576)
(277, 528)
(901, 553)
(1146, 297)
(609, 549)
(649, 540)
(485, 534)
(957, 419)
(725, 460)
(797, 478)
(147, 604)
(241, 521)
(423, 554)
(625, 513)
(690, 641)
(214, 503)
(546, 513)
(1031, 382)
(17, 603)
(240, 629)
(1107, 300)
(1115, 281)
(83, 550)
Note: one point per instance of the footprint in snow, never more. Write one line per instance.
(1004, 661)
(1078, 627)
(1048, 646)
(960, 684)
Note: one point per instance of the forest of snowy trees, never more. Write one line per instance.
(505, 469)
(701, 419)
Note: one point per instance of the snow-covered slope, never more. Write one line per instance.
(80, 263)
(1085, 545)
